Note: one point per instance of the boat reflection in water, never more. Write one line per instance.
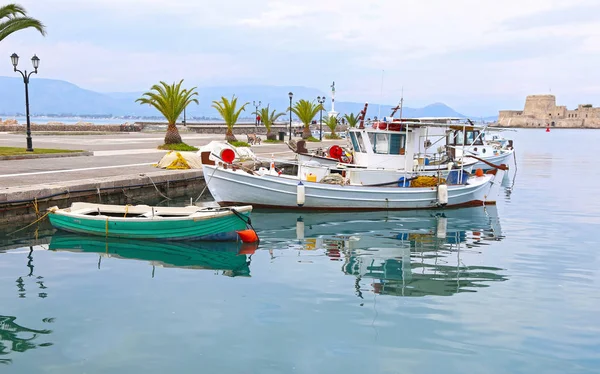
(412, 253)
(232, 258)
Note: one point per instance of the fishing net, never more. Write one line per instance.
(426, 181)
(333, 179)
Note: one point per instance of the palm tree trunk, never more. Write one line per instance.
(229, 136)
(271, 135)
(306, 132)
(172, 136)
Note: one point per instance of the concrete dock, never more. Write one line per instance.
(118, 169)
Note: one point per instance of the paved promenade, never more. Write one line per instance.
(116, 154)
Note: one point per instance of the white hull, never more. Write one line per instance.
(235, 187)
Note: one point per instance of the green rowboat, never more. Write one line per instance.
(147, 222)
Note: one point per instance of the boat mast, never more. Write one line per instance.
(401, 102)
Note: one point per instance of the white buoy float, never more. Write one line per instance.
(300, 228)
(300, 197)
(442, 224)
(442, 194)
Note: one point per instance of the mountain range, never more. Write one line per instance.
(61, 98)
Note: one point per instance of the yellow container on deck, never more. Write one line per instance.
(311, 178)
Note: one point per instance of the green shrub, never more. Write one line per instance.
(178, 147)
(239, 144)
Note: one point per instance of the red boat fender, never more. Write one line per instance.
(227, 155)
(248, 236)
(336, 152)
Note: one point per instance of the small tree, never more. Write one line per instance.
(13, 18)
(331, 122)
(305, 111)
(230, 114)
(351, 119)
(169, 100)
(268, 119)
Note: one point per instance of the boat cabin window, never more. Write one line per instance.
(456, 138)
(380, 143)
(474, 138)
(361, 144)
(354, 142)
(397, 144)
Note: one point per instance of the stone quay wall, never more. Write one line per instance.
(73, 127)
(202, 128)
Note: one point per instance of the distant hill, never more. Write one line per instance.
(57, 97)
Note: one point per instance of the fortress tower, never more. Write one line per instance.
(539, 106)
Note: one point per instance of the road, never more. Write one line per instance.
(114, 155)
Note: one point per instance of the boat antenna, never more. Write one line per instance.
(380, 95)
(401, 102)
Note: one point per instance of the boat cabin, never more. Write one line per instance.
(383, 146)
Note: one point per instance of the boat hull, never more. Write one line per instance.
(238, 187)
(222, 228)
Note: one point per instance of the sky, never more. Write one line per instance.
(476, 56)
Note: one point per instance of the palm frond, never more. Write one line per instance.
(169, 100)
(306, 110)
(351, 119)
(13, 25)
(12, 10)
(268, 117)
(228, 110)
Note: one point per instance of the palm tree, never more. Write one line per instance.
(268, 118)
(228, 110)
(351, 119)
(331, 122)
(170, 101)
(305, 111)
(13, 18)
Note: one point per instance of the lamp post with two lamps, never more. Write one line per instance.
(14, 58)
(291, 95)
(321, 101)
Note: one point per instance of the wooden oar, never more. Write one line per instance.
(501, 166)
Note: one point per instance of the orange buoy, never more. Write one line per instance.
(248, 236)
(248, 248)
(479, 172)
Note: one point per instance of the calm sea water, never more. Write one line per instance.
(512, 288)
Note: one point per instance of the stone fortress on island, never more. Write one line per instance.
(542, 111)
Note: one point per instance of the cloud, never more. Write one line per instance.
(437, 50)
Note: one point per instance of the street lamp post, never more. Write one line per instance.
(14, 58)
(184, 121)
(321, 101)
(256, 112)
(291, 95)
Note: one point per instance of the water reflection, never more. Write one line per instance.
(233, 259)
(412, 253)
(16, 338)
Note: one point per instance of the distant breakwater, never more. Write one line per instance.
(73, 128)
(202, 128)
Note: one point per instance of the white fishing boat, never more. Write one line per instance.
(231, 184)
(427, 146)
